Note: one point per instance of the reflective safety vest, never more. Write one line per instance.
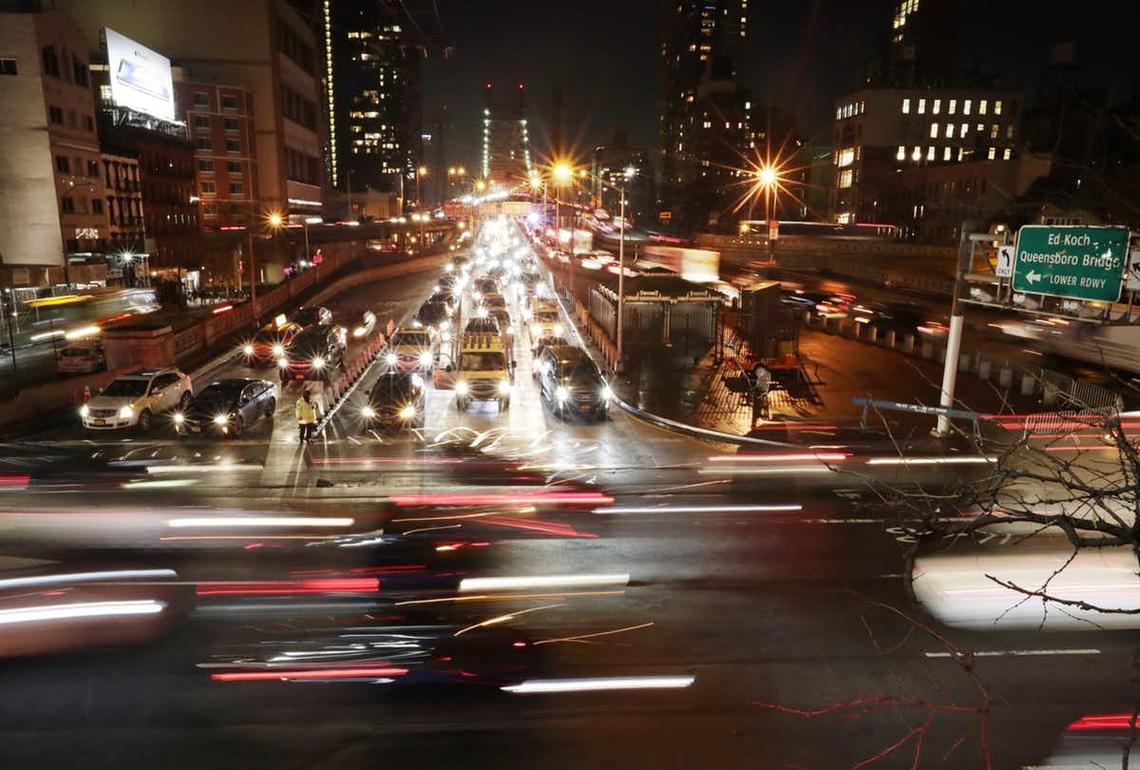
(306, 411)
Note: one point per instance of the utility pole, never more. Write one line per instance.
(252, 276)
(621, 285)
(957, 321)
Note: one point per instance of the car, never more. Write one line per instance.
(900, 317)
(433, 315)
(269, 344)
(410, 350)
(482, 324)
(398, 400)
(133, 400)
(365, 325)
(226, 408)
(314, 354)
(503, 319)
(542, 345)
(570, 384)
(834, 306)
(82, 358)
(483, 286)
(483, 373)
(545, 322)
(494, 300)
(315, 315)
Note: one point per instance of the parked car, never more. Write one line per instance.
(269, 344)
(133, 400)
(410, 350)
(314, 354)
(570, 384)
(315, 315)
(82, 358)
(226, 408)
(398, 400)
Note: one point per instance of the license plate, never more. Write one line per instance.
(100, 422)
(195, 429)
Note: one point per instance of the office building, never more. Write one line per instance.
(53, 218)
(699, 52)
(923, 43)
(219, 121)
(607, 171)
(882, 132)
(266, 47)
(506, 138)
(122, 179)
(374, 54)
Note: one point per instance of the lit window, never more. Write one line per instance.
(845, 177)
(838, 114)
(952, 107)
(946, 154)
(930, 153)
(933, 130)
(949, 130)
(965, 130)
(906, 106)
(982, 105)
(1005, 154)
(997, 106)
(961, 152)
(991, 154)
(994, 131)
(901, 153)
(844, 218)
(916, 154)
(966, 106)
(846, 157)
(861, 107)
(921, 106)
(936, 107)
(981, 127)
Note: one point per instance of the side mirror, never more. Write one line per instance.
(449, 368)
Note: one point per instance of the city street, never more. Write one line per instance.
(774, 593)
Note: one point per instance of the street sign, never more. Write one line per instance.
(1071, 261)
(1133, 282)
(1004, 267)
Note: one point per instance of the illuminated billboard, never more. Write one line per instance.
(140, 78)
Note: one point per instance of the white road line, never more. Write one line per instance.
(1016, 653)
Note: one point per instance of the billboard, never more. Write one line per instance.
(140, 78)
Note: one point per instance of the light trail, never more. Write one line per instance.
(600, 684)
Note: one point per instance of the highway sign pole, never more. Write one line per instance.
(954, 340)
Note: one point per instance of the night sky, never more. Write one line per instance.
(605, 56)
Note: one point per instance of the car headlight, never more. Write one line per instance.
(504, 387)
(425, 358)
(248, 350)
(461, 388)
(416, 323)
(561, 393)
(558, 330)
(179, 418)
(220, 419)
(447, 336)
(84, 410)
(278, 350)
(359, 331)
(368, 412)
(607, 392)
(318, 363)
(391, 359)
(127, 412)
(445, 323)
(408, 412)
(283, 362)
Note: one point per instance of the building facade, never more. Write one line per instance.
(266, 47)
(506, 138)
(52, 197)
(219, 120)
(122, 179)
(882, 132)
(608, 172)
(373, 79)
(699, 52)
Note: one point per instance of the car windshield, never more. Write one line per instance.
(433, 311)
(482, 361)
(221, 391)
(546, 316)
(412, 340)
(127, 387)
(393, 387)
(77, 352)
(577, 370)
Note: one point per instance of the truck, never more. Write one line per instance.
(483, 372)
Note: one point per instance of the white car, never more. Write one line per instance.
(132, 401)
(81, 358)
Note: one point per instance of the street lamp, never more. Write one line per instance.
(562, 174)
(421, 172)
(768, 179)
(275, 220)
(310, 221)
(628, 175)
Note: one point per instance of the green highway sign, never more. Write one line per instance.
(1071, 261)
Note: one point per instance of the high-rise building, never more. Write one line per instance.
(266, 47)
(506, 138)
(923, 43)
(53, 214)
(374, 52)
(701, 43)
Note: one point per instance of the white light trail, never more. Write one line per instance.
(468, 585)
(259, 521)
(1014, 653)
(788, 470)
(601, 684)
(218, 467)
(703, 509)
(81, 610)
(86, 577)
(968, 460)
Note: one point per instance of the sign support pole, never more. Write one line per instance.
(954, 340)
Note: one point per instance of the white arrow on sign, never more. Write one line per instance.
(1033, 276)
(1133, 283)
